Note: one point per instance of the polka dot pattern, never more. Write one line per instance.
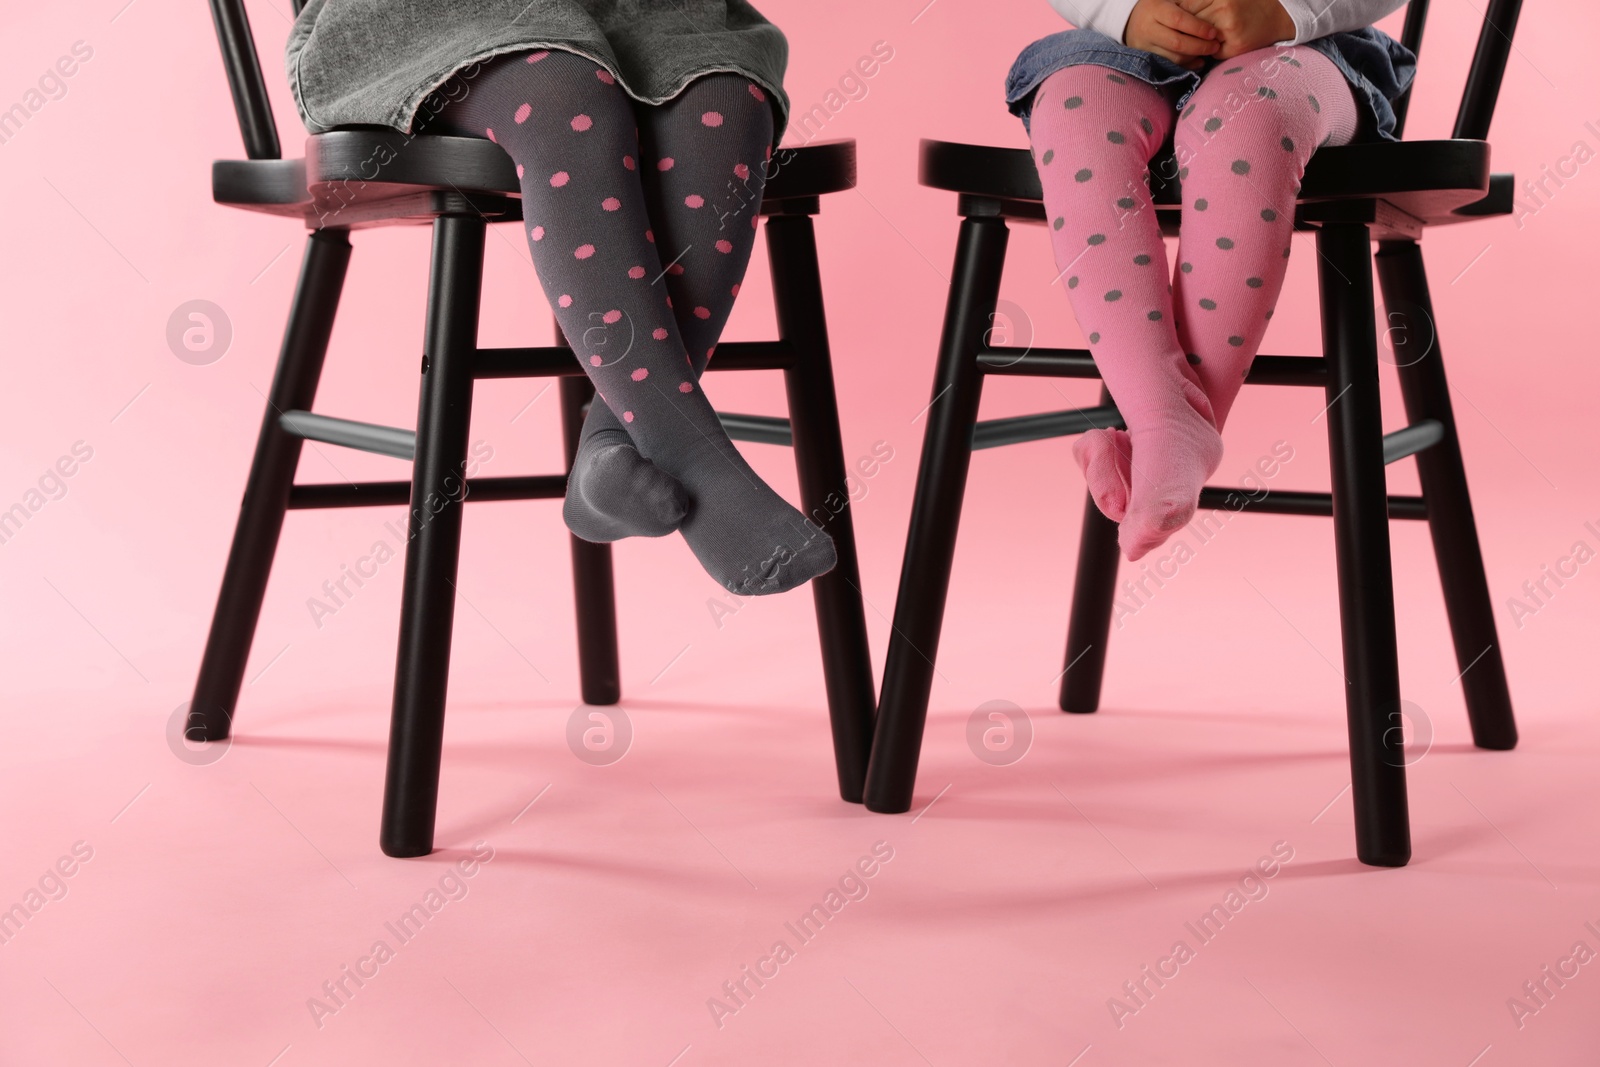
(1247, 159)
(1241, 156)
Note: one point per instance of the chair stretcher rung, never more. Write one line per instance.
(1078, 363)
(524, 363)
(558, 361)
(366, 436)
(1410, 440)
(762, 429)
(1284, 502)
(992, 433)
(374, 494)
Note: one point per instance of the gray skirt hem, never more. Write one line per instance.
(403, 116)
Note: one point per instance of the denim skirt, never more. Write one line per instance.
(374, 62)
(1378, 68)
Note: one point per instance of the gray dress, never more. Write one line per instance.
(373, 62)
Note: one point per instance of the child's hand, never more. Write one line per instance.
(1167, 30)
(1241, 25)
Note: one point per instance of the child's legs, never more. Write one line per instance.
(1094, 132)
(711, 140)
(571, 132)
(1243, 142)
(715, 134)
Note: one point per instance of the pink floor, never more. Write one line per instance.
(219, 901)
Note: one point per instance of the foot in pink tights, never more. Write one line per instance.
(1175, 447)
(1105, 458)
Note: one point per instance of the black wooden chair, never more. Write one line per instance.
(357, 178)
(1390, 192)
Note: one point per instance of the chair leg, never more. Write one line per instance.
(266, 493)
(1450, 520)
(824, 494)
(1094, 593)
(438, 491)
(935, 515)
(593, 582)
(1361, 537)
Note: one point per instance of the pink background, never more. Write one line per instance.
(220, 897)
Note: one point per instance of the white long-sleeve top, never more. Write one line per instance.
(1312, 18)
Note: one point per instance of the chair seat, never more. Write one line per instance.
(1429, 182)
(378, 176)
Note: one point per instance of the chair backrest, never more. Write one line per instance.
(250, 102)
(1483, 78)
(260, 131)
